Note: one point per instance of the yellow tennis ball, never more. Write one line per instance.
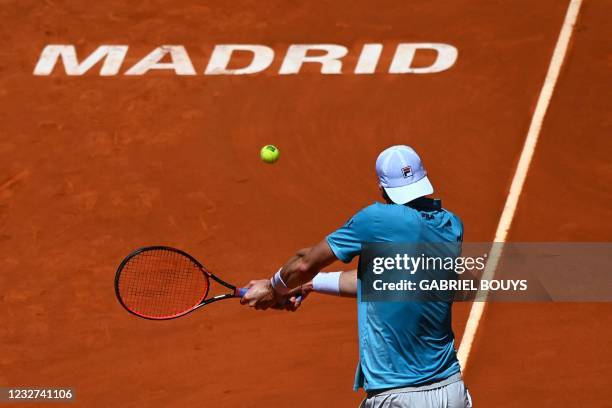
(269, 154)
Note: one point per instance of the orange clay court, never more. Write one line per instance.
(93, 166)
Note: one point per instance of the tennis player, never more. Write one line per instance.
(407, 353)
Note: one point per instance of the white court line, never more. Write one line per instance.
(520, 174)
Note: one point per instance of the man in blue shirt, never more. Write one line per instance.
(406, 349)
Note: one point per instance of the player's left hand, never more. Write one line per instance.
(294, 299)
(261, 295)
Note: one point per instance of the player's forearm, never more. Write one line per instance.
(297, 272)
(348, 283)
(302, 267)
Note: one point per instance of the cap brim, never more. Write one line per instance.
(404, 194)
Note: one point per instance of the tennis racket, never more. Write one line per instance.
(162, 283)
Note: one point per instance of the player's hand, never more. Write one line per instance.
(261, 295)
(293, 300)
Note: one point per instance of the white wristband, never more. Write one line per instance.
(327, 282)
(278, 285)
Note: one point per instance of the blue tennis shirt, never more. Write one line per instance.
(400, 343)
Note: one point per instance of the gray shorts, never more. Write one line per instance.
(447, 395)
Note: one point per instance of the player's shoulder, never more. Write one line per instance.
(453, 222)
(375, 206)
(379, 212)
(365, 215)
(374, 209)
(453, 215)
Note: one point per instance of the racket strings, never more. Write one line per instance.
(161, 284)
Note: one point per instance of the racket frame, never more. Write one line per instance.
(206, 272)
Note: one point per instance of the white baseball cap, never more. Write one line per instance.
(401, 173)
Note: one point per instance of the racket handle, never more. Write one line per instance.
(243, 291)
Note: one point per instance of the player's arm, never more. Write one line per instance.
(303, 267)
(348, 283)
(298, 270)
(342, 284)
(333, 283)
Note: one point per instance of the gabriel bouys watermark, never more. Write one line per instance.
(462, 272)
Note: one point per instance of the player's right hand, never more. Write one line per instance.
(260, 295)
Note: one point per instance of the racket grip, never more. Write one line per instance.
(243, 291)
